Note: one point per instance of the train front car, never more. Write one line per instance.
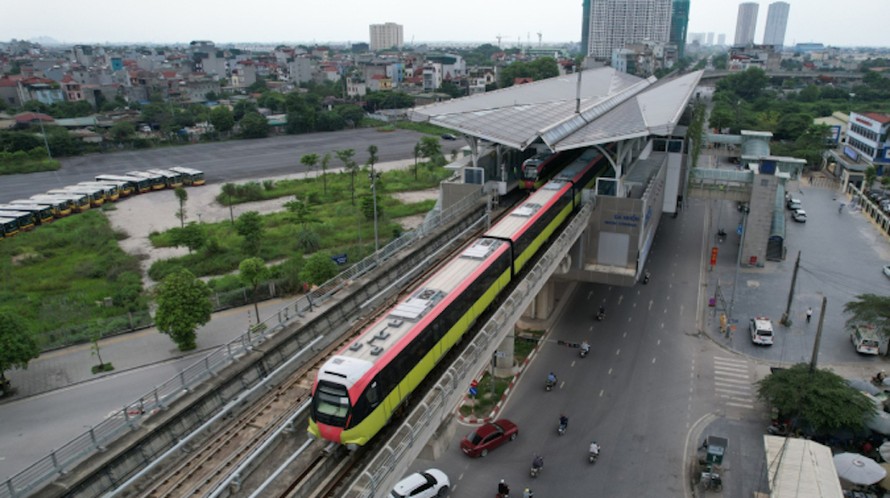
(357, 391)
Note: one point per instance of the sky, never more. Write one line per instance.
(831, 22)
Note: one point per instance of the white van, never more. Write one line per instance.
(761, 331)
(865, 339)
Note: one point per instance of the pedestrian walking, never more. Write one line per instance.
(809, 314)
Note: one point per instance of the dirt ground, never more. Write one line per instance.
(142, 215)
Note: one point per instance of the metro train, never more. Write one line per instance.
(358, 390)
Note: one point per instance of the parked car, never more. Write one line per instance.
(887, 271)
(431, 483)
(761, 329)
(448, 136)
(488, 437)
(793, 203)
(799, 215)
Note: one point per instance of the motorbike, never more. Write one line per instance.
(777, 429)
(646, 278)
(878, 379)
(601, 315)
(593, 453)
(562, 428)
(721, 235)
(585, 348)
(549, 384)
(537, 465)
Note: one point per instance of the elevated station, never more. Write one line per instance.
(631, 120)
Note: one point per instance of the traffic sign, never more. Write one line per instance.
(473, 391)
(340, 259)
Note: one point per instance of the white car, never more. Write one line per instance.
(799, 215)
(761, 329)
(431, 483)
(887, 270)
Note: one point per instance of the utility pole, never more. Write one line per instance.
(739, 260)
(818, 335)
(786, 319)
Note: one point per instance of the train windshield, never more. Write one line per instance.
(331, 403)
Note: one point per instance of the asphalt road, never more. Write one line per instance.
(234, 160)
(641, 392)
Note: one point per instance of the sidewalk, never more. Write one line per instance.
(69, 366)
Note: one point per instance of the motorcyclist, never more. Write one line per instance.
(503, 489)
(585, 348)
(538, 462)
(564, 421)
(551, 378)
(594, 449)
(528, 493)
(602, 313)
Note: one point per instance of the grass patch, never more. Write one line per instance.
(104, 367)
(486, 399)
(69, 278)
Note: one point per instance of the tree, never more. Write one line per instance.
(817, 402)
(253, 271)
(372, 156)
(345, 156)
(95, 350)
(250, 226)
(191, 236)
(309, 160)
(318, 269)
(254, 125)
(307, 240)
(229, 190)
(122, 131)
(870, 308)
(183, 306)
(222, 119)
(430, 148)
(18, 346)
(870, 174)
(324, 168)
(181, 196)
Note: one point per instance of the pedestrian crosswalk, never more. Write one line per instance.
(733, 382)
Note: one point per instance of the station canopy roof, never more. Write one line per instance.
(612, 106)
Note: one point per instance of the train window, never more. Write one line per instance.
(332, 400)
(372, 394)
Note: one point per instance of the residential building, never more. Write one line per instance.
(244, 74)
(585, 26)
(72, 89)
(42, 90)
(9, 93)
(616, 23)
(868, 135)
(721, 39)
(385, 36)
(776, 22)
(765, 57)
(679, 24)
(301, 69)
(746, 24)
(432, 76)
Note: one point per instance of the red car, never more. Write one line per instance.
(488, 437)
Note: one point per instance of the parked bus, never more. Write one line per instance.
(138, 185)
(112, 191)
(190, 177)
(8, 227)
(95, 196)
(80, 202)
(42, 214)
(171, 178)
(158, 182)
(25, 219)
(124, 189)
(61, 207)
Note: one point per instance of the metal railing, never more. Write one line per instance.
(130, 417)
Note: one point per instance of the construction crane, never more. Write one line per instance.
(539, 40)
(499, 40)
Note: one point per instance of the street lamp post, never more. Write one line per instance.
(739, 260)
(373, 176)
(45, 142)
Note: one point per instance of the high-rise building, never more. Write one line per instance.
(679, 24)
(615, 23)
(721, 39)
(776, 22)
(710, 39)
(585, 25)
(385, 36)
(745, 24)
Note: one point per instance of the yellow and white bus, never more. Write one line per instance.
(25, 219)
(112, 191)
(158, 182)
(80, 202)
(171, 178)
(190, 177)
(42, 214)
(137, 184)
(8, 227)
(95, 196)
(61, 207)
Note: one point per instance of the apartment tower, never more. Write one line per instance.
(776, 22)
(615, 23)
(386, 36)
(679, 24)
(745, 24)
